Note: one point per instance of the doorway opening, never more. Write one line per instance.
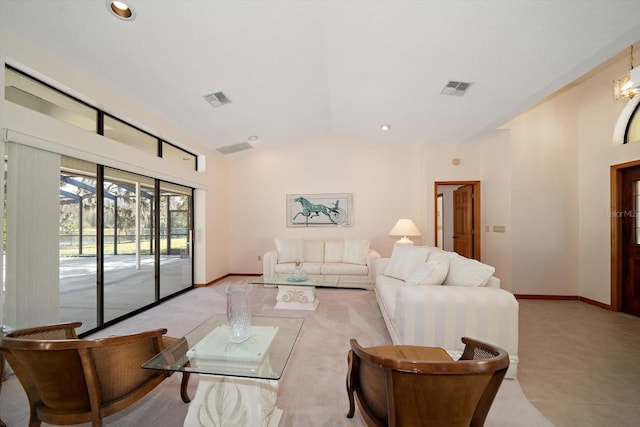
(625, 237)
(448, 214)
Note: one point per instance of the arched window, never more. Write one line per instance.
(632, 133)
(627, 128)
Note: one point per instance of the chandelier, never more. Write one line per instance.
(628, 86)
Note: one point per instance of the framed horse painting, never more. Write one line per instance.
(320, 210)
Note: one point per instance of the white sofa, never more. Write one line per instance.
(351, 261)
(433, 298)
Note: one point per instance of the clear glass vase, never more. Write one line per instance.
(297, 272)
(239, 312)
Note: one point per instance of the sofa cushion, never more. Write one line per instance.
(355, 251)
(467, 272)
(433, 272)
(338, 268)
(333, 250)
(405, 260)
(285, 267)
(311, 267)
(313, 251)
(290, 250)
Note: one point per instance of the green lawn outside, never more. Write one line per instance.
(125, 248)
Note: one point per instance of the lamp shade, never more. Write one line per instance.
(404, 227)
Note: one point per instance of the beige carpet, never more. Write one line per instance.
(312, 390)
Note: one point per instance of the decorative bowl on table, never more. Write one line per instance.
(296, 279)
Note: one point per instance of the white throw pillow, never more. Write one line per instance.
(355, 251)
(433, 272)
(467, 272)
(313, 251)
(405, 260)
(290, 250)
(333, 250)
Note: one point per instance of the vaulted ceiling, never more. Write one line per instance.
(295, 70)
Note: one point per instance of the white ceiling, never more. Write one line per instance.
(296, 70)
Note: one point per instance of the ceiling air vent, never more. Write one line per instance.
(234, 148)
(455, 88)
(217, 99)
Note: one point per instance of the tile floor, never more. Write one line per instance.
(580, 364)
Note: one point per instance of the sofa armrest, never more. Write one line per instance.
(493, 282)
(380, 265)
(372, 256)
(441, 315)
(269, 261)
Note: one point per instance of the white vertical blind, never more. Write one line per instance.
(2, 282)
(32, 250)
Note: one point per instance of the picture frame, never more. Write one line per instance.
(320, 210)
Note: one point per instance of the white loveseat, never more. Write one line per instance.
(351, 261)
(433, 298)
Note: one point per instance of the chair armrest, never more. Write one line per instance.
(59, 331)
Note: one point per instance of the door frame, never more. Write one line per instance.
(616, 230)
(476, 211)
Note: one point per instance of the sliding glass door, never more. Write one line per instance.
(78, 242)
(125, 242)
(175, 238)
(128, 262)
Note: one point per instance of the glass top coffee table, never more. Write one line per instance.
(207, 350)
(287, 280)
(296, 294)
(238, 381)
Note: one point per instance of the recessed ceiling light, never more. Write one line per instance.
(385, 127)
(121, 9)
(252, 138)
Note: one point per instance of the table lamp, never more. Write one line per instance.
(405, 227)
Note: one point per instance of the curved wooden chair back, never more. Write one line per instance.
(71, 381)
(402, 392)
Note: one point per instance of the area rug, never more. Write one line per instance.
(312, 389)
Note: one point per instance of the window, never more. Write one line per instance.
(178, 156)
(108, 243)
(120, 131)
(633, 128)
(23, 90)
(37, 96)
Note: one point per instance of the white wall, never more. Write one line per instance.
(545, 177)
(50, 134)
(435, 161)
(488, 161)
(596, 118)
(562, 151)
(496, 205)
(383, 178)
(544, 153)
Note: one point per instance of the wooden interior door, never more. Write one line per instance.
(630, 227)
(463, 221)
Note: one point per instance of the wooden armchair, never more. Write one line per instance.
(422, 386)
(71, 381)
